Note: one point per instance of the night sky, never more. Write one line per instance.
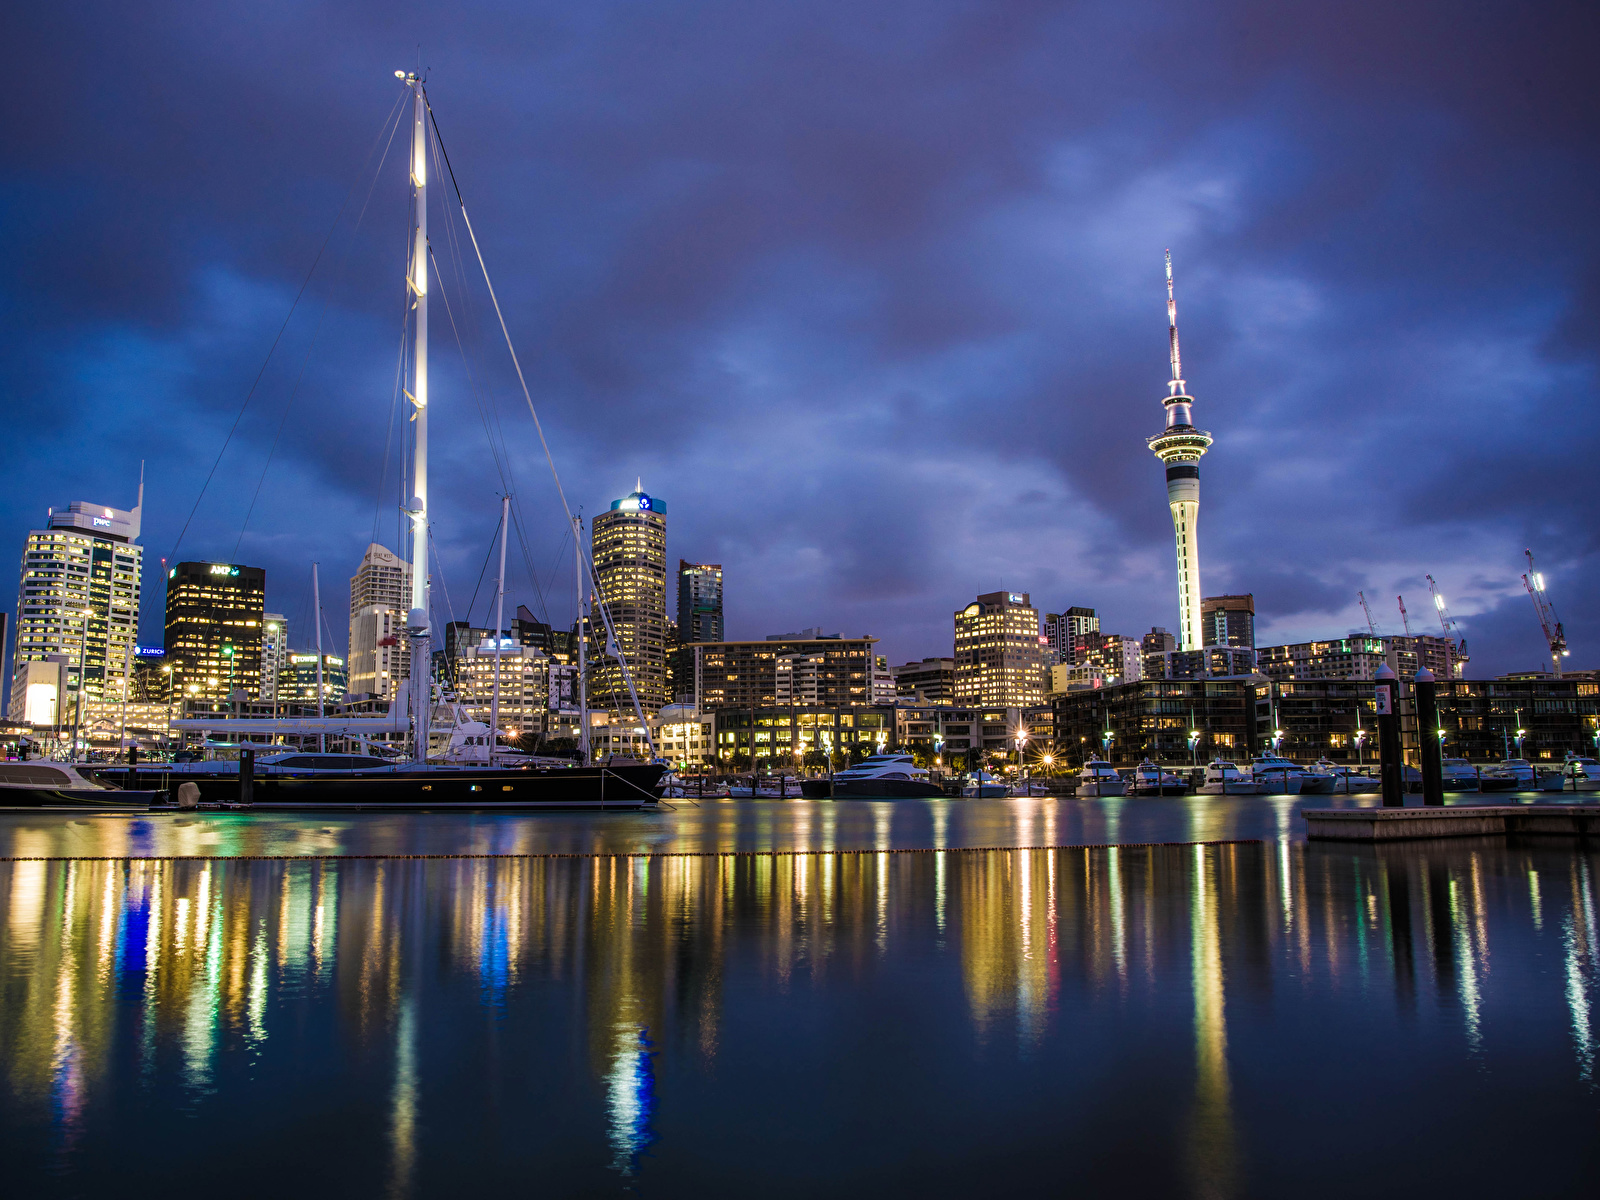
(870, 293)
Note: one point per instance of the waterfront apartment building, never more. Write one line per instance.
(1358, 657)
(297, 679)
(1221, 662)
(961, 735)
(380, 596)
(835, 669)
(1066, 632)
(699, 602)
(1154, 718)
(999, 652)
(1229, 621)
(214, 622)
(629, 546)
(931, 681)
(77, 610)
(800, 735)
(275, 655)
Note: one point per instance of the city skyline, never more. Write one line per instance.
(859, 456)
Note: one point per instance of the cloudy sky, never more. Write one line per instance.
(870, 293)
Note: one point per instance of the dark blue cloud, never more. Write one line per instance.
(871, 295)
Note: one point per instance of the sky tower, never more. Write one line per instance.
(1180, 446)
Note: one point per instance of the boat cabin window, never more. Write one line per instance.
(31, 775)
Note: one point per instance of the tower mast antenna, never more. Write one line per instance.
(1176, 385)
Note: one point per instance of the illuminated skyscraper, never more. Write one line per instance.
(1180, 446)
(699, 602)
(77, 609)
(999, 651)
(215, 618)
(380, 593)
(629, 544)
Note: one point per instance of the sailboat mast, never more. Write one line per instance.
(316, 616)
(583, 663)
(417, 622)
(499, 625)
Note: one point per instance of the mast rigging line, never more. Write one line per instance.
(466, 220)
(289, 316)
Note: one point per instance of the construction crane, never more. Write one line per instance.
(1451, 628)
(1404, 620)
(1548, 621)
(1372, 628)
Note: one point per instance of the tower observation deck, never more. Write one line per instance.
(1179, 446)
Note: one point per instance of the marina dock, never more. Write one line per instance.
(1406, 824)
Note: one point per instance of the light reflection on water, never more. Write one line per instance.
(935, 1019)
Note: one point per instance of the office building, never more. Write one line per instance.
(78, 603)
(1229, 621)
(747, 674)
(999, 651)
(1104, 659)
(297, 679)
(275, 655)
(380, 598)
(1223, 662)
(931, 681)
(699, 602)
(629, 545)
(883, 688)
(1066, 633)
(524, 685)
(215, 618)
(1179, 447)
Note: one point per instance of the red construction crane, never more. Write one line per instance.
(1451, 628)
(1404, 620)
(1372, 627)
(1553, 633)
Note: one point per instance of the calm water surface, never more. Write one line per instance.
(1267, 1019)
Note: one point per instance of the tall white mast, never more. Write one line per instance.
(583, 664)
(499, 625)
(417, 282)
(316, 616)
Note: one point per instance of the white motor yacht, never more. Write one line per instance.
(1225, 779)
(1281, 777)
(1348, 780)
(1459, 775)
(1581, 774)
(877, 777)
(980, 785)
(44, 783)
(1150, 780)
(1100, 779)
(1518, 775)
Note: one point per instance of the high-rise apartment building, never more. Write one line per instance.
(275, 655)
(789, 668)
(999, 651)
(629, 546)
(1229, 621)
(380, 596)
(215, 618)
(699, 602)
(78, 605)
(1066, 633)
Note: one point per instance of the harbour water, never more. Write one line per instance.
(690, 1006)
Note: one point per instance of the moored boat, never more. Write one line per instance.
(877, 777)
(1100, 779)
(1224, 778)
(44, 783)
(1150, 780)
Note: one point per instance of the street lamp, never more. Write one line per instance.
(1521, 733)
(1360, 740)
(167, 671)
(227, 653)
(1194, 742)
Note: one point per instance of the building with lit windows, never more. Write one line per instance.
(931, 681)
(215, 619)
(524, 685)
(699, 602)
(999, 652)
(1102, 659)
(629, 546)
(1358, 657)
(834, 670)
(77, 605)
(275, 655)
(297, 679)
(1228, 621)
(1065, 634)
(380, 597)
